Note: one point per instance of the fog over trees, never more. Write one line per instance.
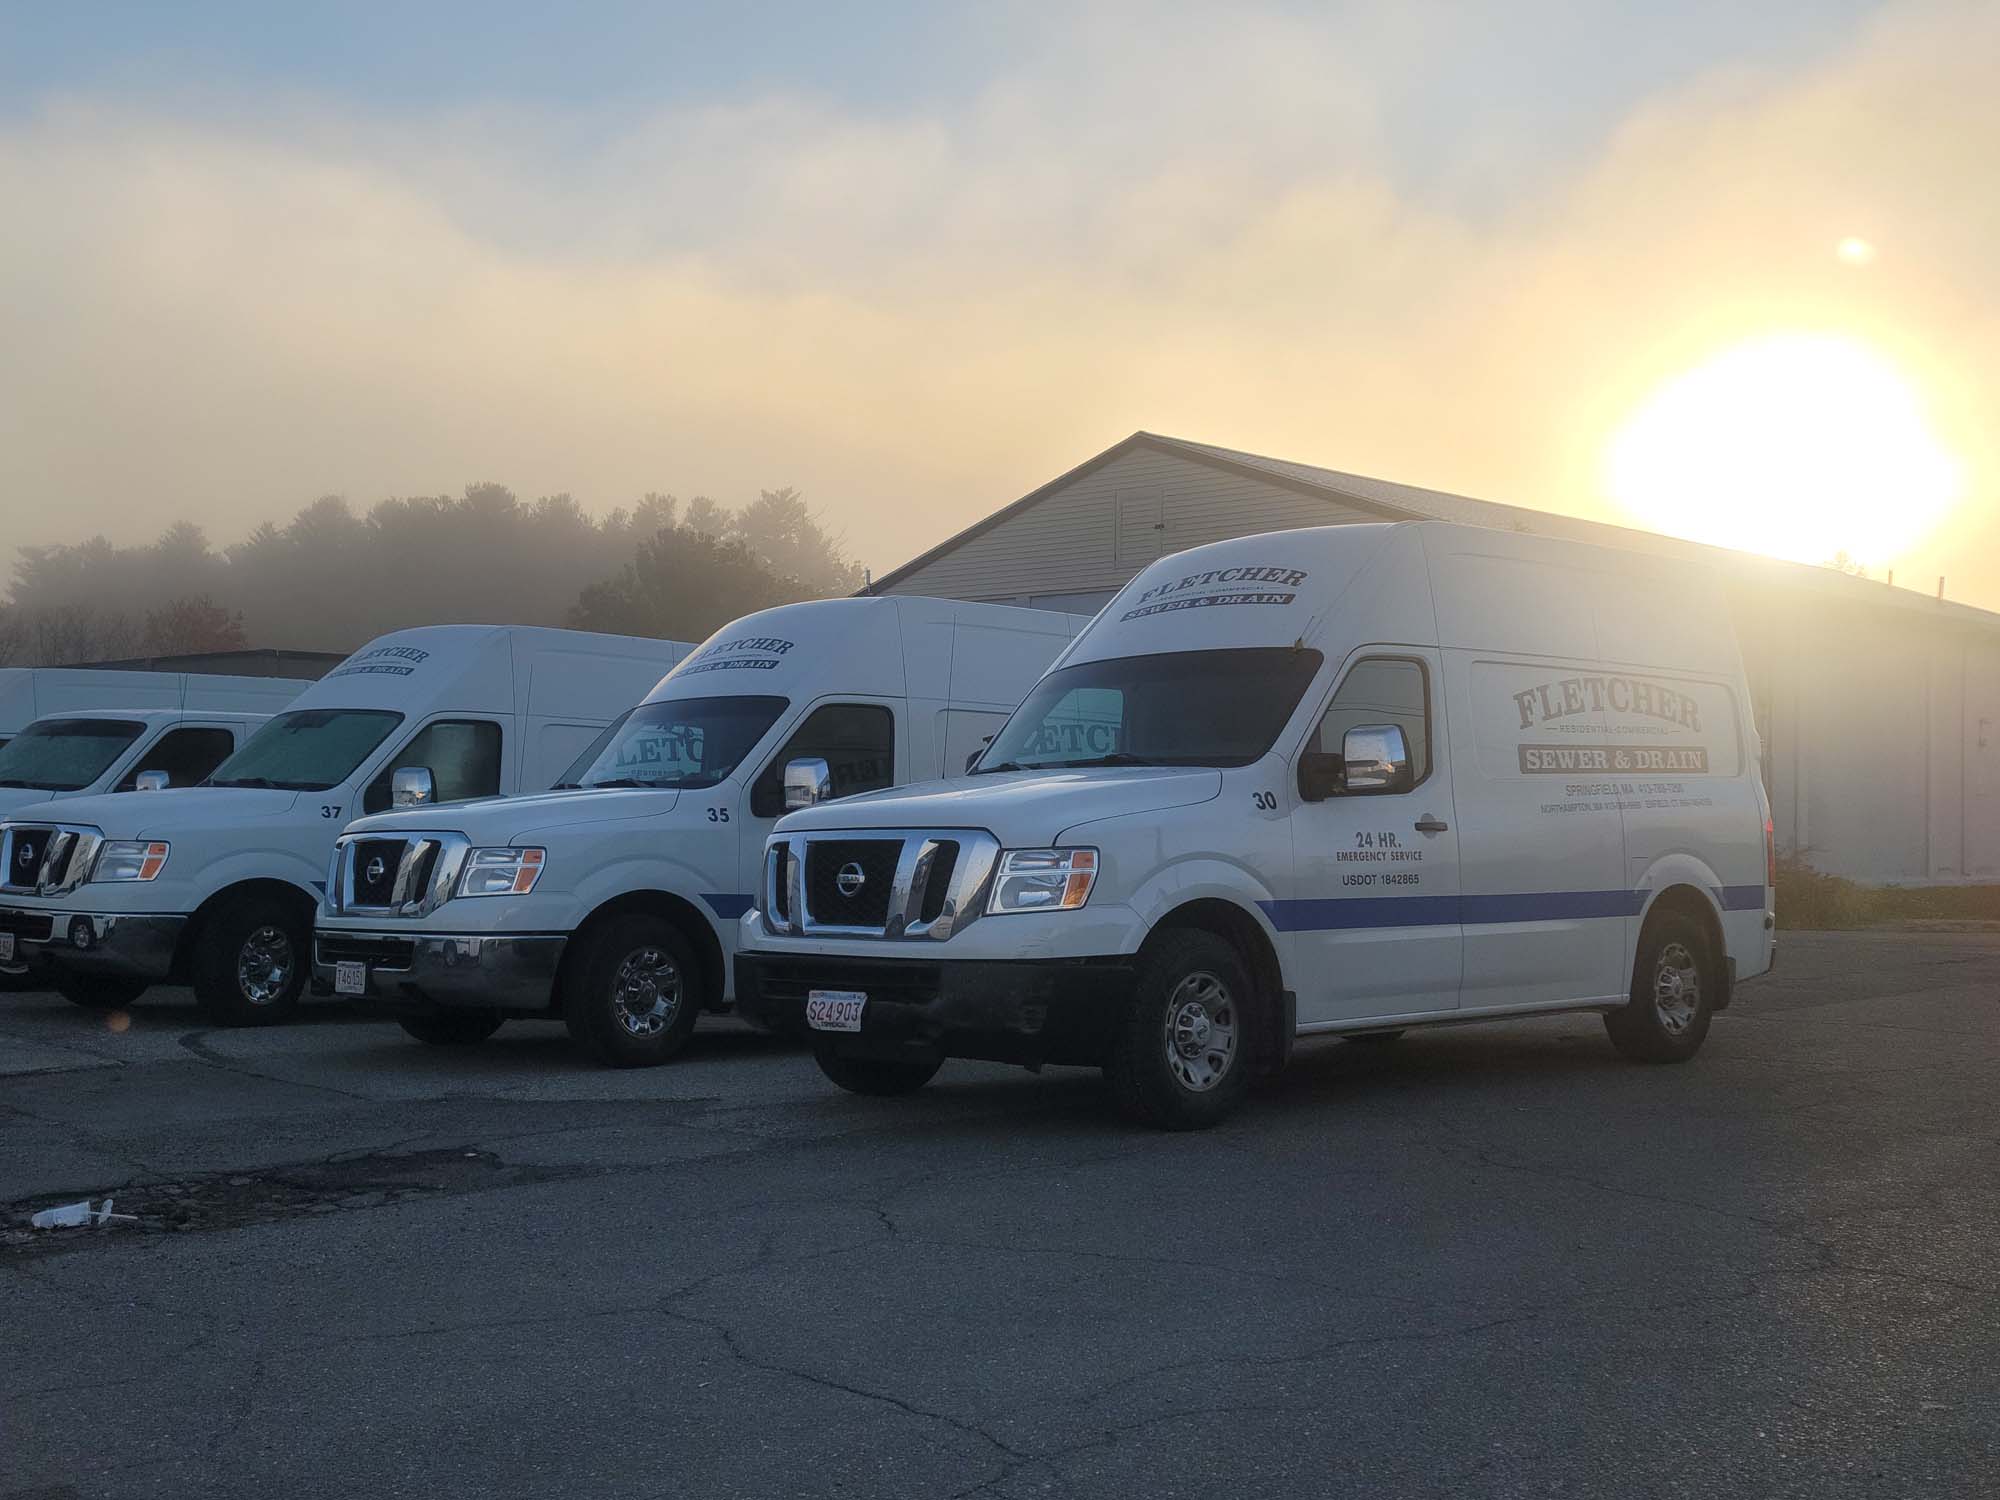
(330, 579)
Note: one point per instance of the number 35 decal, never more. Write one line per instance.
(718, 815)
(1264, 801)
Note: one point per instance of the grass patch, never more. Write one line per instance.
(1811, 900)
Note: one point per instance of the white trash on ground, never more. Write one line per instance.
(76, 1215)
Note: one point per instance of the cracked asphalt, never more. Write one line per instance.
(1485, 1261)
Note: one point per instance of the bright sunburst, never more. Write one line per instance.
(1801, 445)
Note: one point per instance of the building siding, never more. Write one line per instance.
(1072, 541)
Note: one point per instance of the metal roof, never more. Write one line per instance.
(1411, 502)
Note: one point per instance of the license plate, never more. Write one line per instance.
(350, 977)
(6, 947)
(835, 1010)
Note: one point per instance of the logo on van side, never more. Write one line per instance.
(389, 661)
(769, 652)
(1556, 760)
(1286, 578)
(1623, 695)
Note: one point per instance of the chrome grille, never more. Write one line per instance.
(407, 876)
(919, 883)
(46, 859)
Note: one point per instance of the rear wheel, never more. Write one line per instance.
(95, 993)
(452, 1028)
(250, 960)
(1181, 1057)
(637, 993)
(1674, 984)
(879, 1078)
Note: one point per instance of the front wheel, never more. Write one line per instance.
(1674, 984)
(94, 993)
(452, 1028)
(637, 992)
(1181, 1058)
(879, 1078)
(250, 960)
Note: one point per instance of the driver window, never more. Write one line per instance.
(856, 740)
(186, 755)
(1381, 691)
(463, 756)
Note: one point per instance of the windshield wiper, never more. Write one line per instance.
(265, 783)
(629, 781)
(1005, 765)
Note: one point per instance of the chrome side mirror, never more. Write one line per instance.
(807, 780)
(151, 781)
(1375, 758)
(411, 786)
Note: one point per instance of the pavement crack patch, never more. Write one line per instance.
(193, 1043)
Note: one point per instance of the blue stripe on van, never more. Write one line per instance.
(726, 906)
(1324, 915)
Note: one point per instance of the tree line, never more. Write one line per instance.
(331, 579)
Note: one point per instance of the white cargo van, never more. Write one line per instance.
(1346, 780)
(89, 751)
(218, 882)
(613, 901)
(31, 693)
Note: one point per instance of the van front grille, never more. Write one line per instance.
(896, 885)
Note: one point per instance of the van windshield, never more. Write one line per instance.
(681, 742)
(1179, 708)
(64, 755)
(307, 750)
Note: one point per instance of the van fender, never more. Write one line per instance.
(1687, 881)
(1201, 878)
(266, 866)
(623, 877)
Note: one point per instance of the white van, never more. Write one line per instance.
(90, 751)
(613, 901)
(31, 693)
(218, 882)
(1345, 780)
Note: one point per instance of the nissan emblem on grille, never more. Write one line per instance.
(850, 879)
(376, 870)
(28, 855)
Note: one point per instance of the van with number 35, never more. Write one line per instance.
(1340, 782)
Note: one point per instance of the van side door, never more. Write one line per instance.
(1371, 925)
(1541, 841)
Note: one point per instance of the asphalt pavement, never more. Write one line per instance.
(1492, 1260)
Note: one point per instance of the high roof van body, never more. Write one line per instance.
(218, 882)
(1345, 780)
(90, 750)
(31, 693)
(613, 900)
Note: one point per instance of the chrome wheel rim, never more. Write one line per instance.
(264, 965)
(646, 992)
(1200, 1031)
(1676, 989)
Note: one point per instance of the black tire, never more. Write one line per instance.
(1158, 1059)
(251, 958)
(879, 1078)
(1662, 1022)
(94, 992)
(1373, 1038)
(452, 1028)
(624, 964)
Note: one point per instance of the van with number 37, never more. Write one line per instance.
(1341, 782)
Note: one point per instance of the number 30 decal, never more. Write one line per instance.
(1264, 801)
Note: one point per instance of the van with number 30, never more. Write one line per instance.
(1344, 781)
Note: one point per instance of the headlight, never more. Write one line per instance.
(1043, 880)
(501, 872)
(129, 859)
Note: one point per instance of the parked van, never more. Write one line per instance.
(1346, 780)
(89, 751)
(612, 902)
(31, 693)
(217, 883)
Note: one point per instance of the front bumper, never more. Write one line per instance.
(999, 1010)
(513, 973)
(119, 945)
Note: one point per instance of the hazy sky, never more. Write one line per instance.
(916, 260)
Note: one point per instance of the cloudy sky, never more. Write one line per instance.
(1709, 267)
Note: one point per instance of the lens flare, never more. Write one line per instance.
(1802, 445)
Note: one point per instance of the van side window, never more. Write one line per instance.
(462, 755)
(186, 755)
(1382, 690)
(856, 740)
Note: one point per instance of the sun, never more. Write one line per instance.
(1801, 445)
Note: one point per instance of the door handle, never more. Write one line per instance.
(1429, 823)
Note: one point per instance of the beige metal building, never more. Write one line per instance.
(1879, 707)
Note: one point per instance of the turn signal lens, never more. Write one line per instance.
(1043, 880)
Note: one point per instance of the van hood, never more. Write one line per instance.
(1020, 808)
(14, 798)
(127, 815)
(500, 820)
